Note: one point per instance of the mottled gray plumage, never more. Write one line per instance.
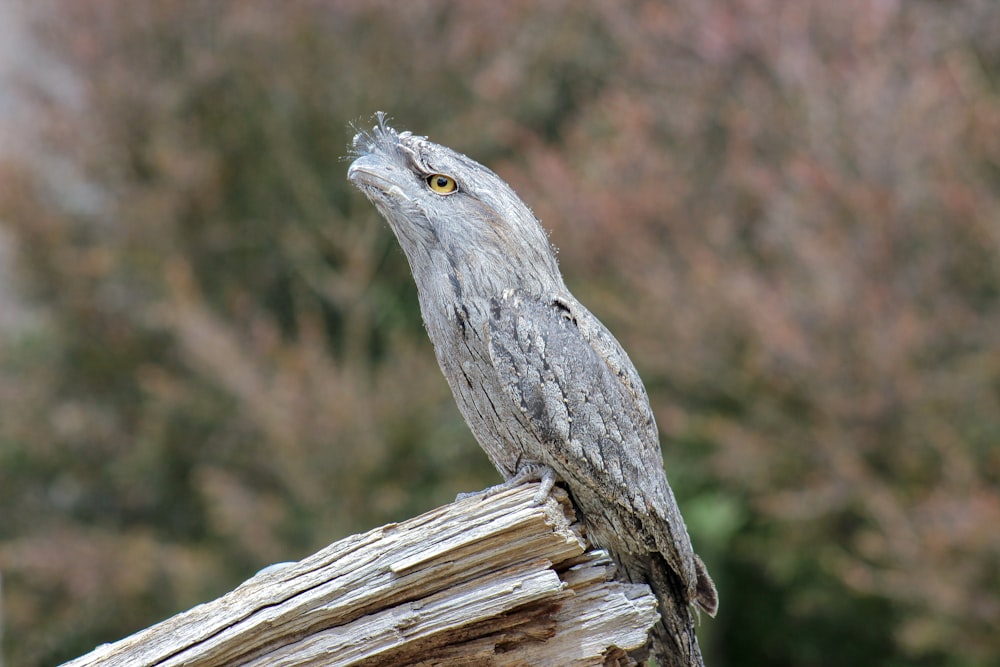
(543, 385)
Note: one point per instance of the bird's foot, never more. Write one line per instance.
(482, 495)
(533, 472)
(546, 477)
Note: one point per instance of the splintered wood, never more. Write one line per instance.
(499, 581)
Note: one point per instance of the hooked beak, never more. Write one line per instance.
(369, 173)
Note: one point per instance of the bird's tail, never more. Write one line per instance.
(705, 595)
(673, 641)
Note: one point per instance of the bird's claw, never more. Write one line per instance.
(534, 472)
(546, 482)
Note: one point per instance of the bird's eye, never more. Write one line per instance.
(441, 184)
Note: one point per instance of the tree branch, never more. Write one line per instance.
(500, 581)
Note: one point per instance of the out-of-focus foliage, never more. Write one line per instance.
(789, 211)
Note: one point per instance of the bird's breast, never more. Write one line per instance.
(461, 344)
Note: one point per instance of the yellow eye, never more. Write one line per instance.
(441, 184)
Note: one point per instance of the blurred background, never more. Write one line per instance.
(211, 354)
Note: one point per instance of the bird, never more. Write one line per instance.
(546, 389)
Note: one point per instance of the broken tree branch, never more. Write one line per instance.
(497, 581)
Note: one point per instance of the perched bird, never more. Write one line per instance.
(548, 392)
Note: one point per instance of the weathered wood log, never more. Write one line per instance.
(499, 581)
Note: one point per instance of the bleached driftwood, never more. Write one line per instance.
(500, 581)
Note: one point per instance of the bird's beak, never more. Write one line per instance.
(369, 172)
(363, 170)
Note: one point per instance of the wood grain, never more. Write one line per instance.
(496, 581)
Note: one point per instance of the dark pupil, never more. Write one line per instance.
(442, 181)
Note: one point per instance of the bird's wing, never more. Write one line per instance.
(580, 397)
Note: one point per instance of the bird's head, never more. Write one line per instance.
(451, 213)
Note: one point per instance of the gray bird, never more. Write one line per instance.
(548, 392)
